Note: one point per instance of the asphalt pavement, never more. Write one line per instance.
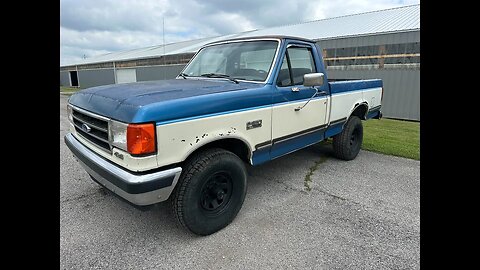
(306, 210)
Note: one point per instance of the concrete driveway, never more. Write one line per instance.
(306, 210)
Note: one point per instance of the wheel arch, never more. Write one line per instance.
(360, 109)
(236, 145)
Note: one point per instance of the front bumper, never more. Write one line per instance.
(143, 188)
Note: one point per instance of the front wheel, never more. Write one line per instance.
(210, 191)
(346, 145)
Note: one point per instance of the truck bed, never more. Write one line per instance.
(339, 86)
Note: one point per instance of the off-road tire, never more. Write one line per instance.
(205, 177)
(347, 144)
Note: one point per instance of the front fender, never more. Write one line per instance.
(176, 141)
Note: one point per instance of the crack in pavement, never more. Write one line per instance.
(337, 197)
(308, 181)
(311, 170)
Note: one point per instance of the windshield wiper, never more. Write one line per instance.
(183, 75)
(218, 75)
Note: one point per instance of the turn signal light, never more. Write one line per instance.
(141, 139)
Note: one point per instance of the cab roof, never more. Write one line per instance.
(261, 37)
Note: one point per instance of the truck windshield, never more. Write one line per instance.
(246, 60)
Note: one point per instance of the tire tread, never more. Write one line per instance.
(194, 165)
(341, 141)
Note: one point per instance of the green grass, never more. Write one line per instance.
(68, 90)
(392, 137)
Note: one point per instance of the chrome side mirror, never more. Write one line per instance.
(313, 79)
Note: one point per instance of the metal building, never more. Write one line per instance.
(381, 44)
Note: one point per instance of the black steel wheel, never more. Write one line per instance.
(356, 138)
(210, 191)
(216, 192)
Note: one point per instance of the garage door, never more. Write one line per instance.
(126, 75)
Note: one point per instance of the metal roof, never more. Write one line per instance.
(401, 19)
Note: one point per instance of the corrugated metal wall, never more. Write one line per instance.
(95, 77)
(401, 97)
(64, 78)
(392, 38)
(152, 73)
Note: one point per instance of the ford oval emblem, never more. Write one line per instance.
(86, 128)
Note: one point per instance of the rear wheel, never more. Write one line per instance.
(347, 144)
(210, 191)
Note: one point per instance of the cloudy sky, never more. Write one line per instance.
(94, 27)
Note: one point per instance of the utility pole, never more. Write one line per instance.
(164, 67)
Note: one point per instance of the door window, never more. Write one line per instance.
(297, 62)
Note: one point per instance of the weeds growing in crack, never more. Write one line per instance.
(311, 170)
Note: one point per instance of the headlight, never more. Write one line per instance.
(118, 134)
(69, 113)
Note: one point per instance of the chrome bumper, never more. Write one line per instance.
(138, 188)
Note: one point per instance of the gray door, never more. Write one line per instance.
(126, 75)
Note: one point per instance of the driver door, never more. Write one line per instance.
(294, 129)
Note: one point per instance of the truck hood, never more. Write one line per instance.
(142, 101)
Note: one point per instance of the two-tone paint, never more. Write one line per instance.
(259, 121)
(194, 112)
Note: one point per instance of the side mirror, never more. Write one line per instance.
(313, 79)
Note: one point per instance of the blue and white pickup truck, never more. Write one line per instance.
(237, 102)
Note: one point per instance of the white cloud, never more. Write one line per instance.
(94, 27)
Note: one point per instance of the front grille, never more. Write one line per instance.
(98, 132)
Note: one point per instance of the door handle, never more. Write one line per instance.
(321, 93)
